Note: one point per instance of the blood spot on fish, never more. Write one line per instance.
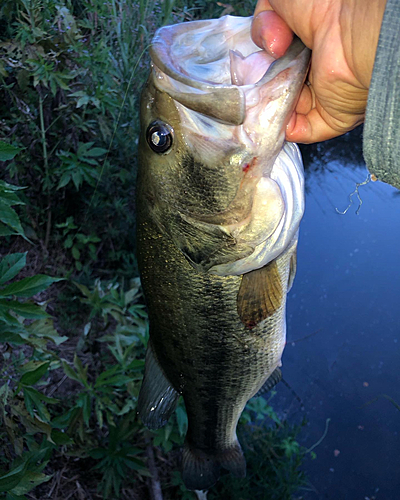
(247, 166)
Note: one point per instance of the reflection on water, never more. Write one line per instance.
(347, 292)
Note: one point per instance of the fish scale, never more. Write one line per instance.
(219, 201)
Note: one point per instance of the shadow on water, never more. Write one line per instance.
(345, 302)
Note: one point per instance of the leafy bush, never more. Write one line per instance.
(95, 421)
(70, 74)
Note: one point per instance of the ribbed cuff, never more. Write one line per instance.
(381, 144)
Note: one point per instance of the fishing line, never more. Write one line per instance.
(293, 342)
(321, 438)
(294, 393)
(396, 405)
(360, 202)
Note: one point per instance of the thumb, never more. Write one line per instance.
(295, 15)
(270, 32)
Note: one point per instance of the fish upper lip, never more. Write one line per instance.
(172, 44)
(178, 75)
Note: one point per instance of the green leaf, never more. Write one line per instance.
(29, 286)
(5, 231)
(29, 481)
(5, 187)
(69, 372)
(41, 397)
(33, 399)
(10, 198)
(82, 101)
(76, 254)
(84, 289)
(44, 329)
(60, 438)
(67, 419)
(86, 404)
(11, 265)
(96, 152)
(103, 378)
(35, 424)
(98, 453)
(82, 371)
(34, 372)
(11, 335)
(182, 420)
(11, 496)
(13, 478)
(10, 218)
(24, 309)
(7, 151)
(116, 380)
(69, 240)
(65, 179)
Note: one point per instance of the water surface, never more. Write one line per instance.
(346, 296)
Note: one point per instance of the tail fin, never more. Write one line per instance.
(233, 460)
(200, 471)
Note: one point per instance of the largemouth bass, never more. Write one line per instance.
(220, 199)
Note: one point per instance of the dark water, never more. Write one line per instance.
(347, 295)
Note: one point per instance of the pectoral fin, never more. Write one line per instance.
(260, 295)
(157, 397)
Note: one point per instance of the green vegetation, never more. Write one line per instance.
(72, 345)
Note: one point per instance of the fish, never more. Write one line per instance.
(220, 196)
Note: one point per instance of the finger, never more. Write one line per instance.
(310, 128)
(261, 6)
(271, 33)
(300, 15)
(304, 105)
(306, 100)
(288, 10)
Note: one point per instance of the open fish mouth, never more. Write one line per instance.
(215, 68)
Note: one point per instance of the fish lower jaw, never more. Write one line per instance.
(274, 225)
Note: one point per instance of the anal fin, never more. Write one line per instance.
(232, 459)
(260, 294)
(157, 397)
(270, 383)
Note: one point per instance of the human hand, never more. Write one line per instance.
(343, 36)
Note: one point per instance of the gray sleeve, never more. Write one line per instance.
(381, 143)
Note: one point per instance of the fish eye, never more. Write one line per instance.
(159, 136)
